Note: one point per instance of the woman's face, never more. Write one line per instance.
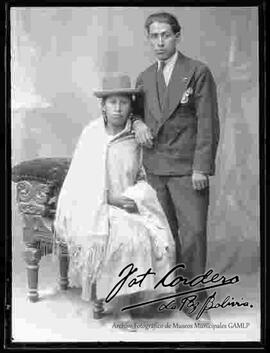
(117, 109)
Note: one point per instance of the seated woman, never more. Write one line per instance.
(107, 213)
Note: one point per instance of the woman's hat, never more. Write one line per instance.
(116, 84)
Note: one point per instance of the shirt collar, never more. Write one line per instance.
(170, 61)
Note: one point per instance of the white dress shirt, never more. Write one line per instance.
(168, 68)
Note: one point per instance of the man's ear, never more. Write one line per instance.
(178, 36)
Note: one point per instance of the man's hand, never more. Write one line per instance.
(143, 134)
(200, 181)
(125, 203)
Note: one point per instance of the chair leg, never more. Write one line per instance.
(63, 267)
(98, 309)
(32, 257)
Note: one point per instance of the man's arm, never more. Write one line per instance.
(207, 123)
(138, 109)
(142, 132)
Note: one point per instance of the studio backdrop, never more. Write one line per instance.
(59, 56)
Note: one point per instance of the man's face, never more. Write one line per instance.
(163, 40)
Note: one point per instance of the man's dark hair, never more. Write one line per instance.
(163, 17)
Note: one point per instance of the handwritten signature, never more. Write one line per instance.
(192, 304)
(206, 281)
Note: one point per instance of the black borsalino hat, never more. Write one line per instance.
(116, 84)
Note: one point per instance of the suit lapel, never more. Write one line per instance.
(153, 93)
(178, 84)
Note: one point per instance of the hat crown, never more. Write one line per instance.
(118, 81)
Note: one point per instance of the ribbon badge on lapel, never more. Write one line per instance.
(186, 95)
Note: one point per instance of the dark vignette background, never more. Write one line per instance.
(53, 74)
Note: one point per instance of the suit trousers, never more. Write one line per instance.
(186, 210)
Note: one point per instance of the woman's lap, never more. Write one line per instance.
(129, 244)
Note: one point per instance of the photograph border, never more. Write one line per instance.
(6, 241)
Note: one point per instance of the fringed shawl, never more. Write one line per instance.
(82, 215)
(82, 209)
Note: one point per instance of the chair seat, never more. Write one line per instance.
(47, 170)
(40, 172)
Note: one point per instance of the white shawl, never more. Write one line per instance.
(82, 209)
(82, 215)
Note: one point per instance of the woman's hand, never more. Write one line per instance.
(143, 134)
(125, 203)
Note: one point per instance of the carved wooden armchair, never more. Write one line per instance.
(38, 183)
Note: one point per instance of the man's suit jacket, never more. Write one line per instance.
(186, 132)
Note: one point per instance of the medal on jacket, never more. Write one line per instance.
(186, 95)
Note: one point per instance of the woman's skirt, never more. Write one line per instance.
(131, 251)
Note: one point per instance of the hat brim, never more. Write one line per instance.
(105, 93)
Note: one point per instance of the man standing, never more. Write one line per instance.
(180, 135)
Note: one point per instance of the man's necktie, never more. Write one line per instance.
(161, 84)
